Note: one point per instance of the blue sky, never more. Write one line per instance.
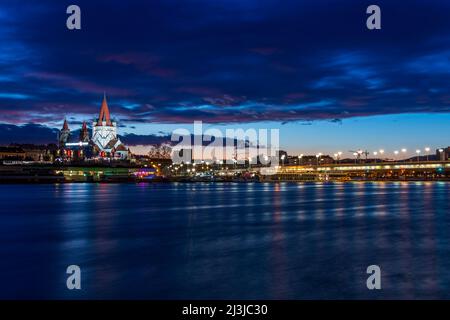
(309, 68)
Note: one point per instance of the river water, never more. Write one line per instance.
(225, 240)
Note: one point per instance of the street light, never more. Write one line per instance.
(418, 154)
(317, 157)
(339, 156)
(427, 149)
(356, 156)
(404, 151)
(375, 154)
(396, 154)
(381, 154)
(440, 154)
(360, 152)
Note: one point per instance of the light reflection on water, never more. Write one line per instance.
(242, 241)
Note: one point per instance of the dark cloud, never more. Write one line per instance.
(28, 133)
(40, 134)
(223, 61)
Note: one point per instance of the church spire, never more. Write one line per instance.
(65, 125)
(84, 134)
(104, 113)
(64, 134)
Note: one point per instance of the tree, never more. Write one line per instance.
(162, 151)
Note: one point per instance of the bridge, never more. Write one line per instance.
(392, 170)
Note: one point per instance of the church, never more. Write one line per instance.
(104, 143)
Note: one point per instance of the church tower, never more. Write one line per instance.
(84, 134)
(104, 131)
(64, 134)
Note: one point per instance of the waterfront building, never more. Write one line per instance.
(38, 153)
(282, 157)
(104, 135)
(28, 152)
(443, 154)
(104, 143)
(314, 160)
(12, 153)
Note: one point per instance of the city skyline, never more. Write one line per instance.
(315, 72)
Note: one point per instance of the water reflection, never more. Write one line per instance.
(274, 241)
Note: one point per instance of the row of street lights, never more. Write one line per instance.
(380, 152)
(396, 153)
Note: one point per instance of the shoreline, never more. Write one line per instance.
(420, 172)
(168, 181)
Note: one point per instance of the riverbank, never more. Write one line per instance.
(106, 174)
(130, 180)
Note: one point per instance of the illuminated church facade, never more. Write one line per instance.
(104, 142)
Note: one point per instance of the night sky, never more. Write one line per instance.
(310, 68)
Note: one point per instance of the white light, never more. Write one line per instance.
(417, 151)
(403, 150)
(381, 151)
(396, 151)
(375, 153)
(427, 149)
(77, 143)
